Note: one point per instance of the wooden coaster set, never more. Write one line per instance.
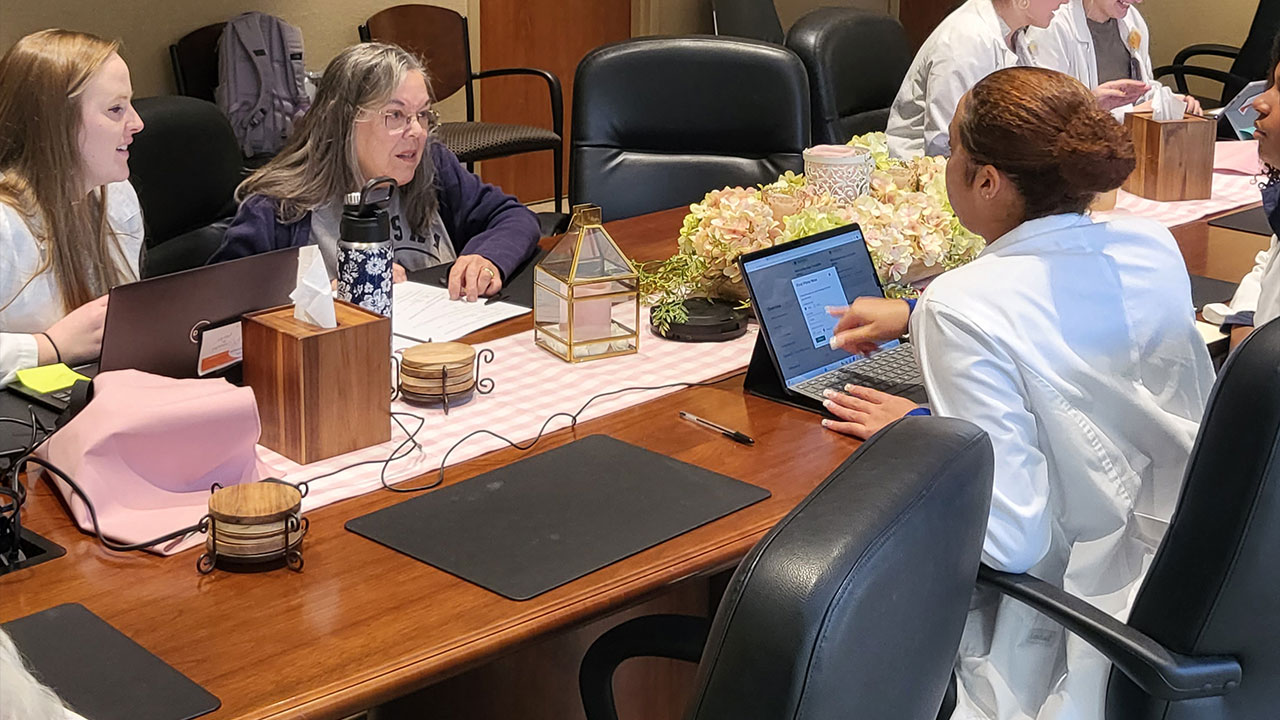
(443, 373)
(255, 524)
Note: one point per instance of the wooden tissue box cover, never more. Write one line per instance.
(1175, 157)
(320, 392)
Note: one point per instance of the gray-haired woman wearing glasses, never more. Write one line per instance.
(372, 117)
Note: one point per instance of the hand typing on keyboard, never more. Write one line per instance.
(868, 322)
(862, 411)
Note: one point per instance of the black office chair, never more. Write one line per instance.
(440, 37)
(1249, 62)
(185, 166)
(1200, 643)
(856, 61)
(852, 606)
(195, 62)
(753, 19)
(658, 122)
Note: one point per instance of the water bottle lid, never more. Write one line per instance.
(352, 198)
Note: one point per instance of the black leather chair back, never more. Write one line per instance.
(658, 122)
(1213, 587)
(754, 19)
(856, 61)
(853, 605)
(185, 165)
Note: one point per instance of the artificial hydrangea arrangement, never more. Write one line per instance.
(908, 223)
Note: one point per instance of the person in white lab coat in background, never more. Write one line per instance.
(975, 40)
(1072, 343)
(1257, 300)
(1099, 42)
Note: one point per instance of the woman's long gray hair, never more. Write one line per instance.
(306, 175)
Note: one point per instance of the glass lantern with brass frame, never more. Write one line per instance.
(586, 299)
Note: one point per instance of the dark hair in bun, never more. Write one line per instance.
(1046, 132)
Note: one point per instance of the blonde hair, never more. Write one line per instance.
(306, 173)
(41, 79)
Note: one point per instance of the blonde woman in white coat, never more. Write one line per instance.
(1101, 43)
(975, 40)
(1072, 343)
(70, 224)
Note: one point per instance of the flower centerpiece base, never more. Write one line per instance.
(910, 230)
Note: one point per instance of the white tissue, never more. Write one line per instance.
(313, 297)
(1166, 106)
(1216, 312)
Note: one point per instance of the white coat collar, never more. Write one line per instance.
(1034, 236)
(986, 11)
(1084, 37)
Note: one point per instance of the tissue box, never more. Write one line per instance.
(1175, 157)
(321, 392)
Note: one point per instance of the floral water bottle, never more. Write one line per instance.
(364, 247)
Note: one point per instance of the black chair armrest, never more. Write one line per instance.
(1215, 49)
(1159, 672)
(553, 89)
(1180, 73)
(680, 637)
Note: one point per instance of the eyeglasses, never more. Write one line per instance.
(397, 121)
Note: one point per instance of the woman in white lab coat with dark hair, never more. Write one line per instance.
(1072, 343)
(1098, 42)
(1257, 300)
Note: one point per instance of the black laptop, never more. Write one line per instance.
(156, 325)
(791, 287)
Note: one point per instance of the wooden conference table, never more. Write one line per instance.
(363, 624)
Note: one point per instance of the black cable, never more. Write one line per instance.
(16, 489)
(411, 437)
(395, 454)
(573, 422)
(93, 514)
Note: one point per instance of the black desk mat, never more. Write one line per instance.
(102, 674)
(1206, 290)
(518, 289)
(539, 523)
(1253, 220)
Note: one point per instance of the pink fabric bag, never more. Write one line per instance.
(147, 448)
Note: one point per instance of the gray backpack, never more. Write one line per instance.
(260, 80)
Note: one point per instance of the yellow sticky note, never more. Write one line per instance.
(49, 378)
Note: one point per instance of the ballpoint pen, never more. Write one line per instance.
(734, 435)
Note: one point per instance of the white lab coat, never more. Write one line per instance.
(967, 46)
(1073, 345)
(1259, 291)
(1067, 46)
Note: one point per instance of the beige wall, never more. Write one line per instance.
(148, 27)
(1175, 24)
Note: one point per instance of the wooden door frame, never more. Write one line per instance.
(473, 33)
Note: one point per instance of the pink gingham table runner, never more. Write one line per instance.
(530, 385)
(1235, 185)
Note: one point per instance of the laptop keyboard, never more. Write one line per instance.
(893, 371)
